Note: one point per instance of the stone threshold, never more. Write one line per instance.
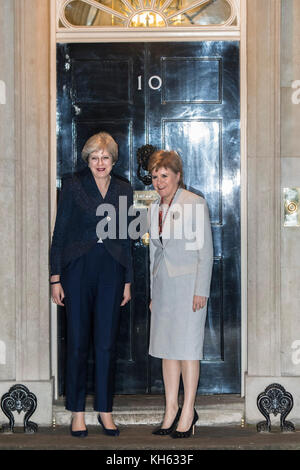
(213, 410)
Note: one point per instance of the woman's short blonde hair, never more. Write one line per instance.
(167, 159)
(100, 141)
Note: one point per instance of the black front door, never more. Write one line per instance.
(182, 96)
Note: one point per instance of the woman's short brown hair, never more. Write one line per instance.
(102, 140)
(167, 159)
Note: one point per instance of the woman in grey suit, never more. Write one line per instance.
(181, 259)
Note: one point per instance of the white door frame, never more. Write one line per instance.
(154, 36)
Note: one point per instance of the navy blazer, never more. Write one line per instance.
(76, 221)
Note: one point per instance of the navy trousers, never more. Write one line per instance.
(93, 286)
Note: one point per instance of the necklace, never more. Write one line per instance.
(161, 219)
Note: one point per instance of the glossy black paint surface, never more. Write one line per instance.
(196, 112)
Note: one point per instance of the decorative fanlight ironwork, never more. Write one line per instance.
(93, 14)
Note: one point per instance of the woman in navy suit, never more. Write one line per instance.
(91, 272)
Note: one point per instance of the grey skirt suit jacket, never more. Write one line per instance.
(180, 267)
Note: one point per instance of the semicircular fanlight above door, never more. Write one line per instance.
(93, 14)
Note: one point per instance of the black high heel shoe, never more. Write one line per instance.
(167, 431)
(82, 433)
(182, 434)
(109, 432)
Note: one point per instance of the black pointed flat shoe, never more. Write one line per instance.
(109, 432)
(183, 434)
(167, 431)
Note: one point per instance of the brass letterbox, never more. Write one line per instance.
(143, 199)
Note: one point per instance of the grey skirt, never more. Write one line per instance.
(176, 332)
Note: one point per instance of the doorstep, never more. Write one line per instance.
(213, 410)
